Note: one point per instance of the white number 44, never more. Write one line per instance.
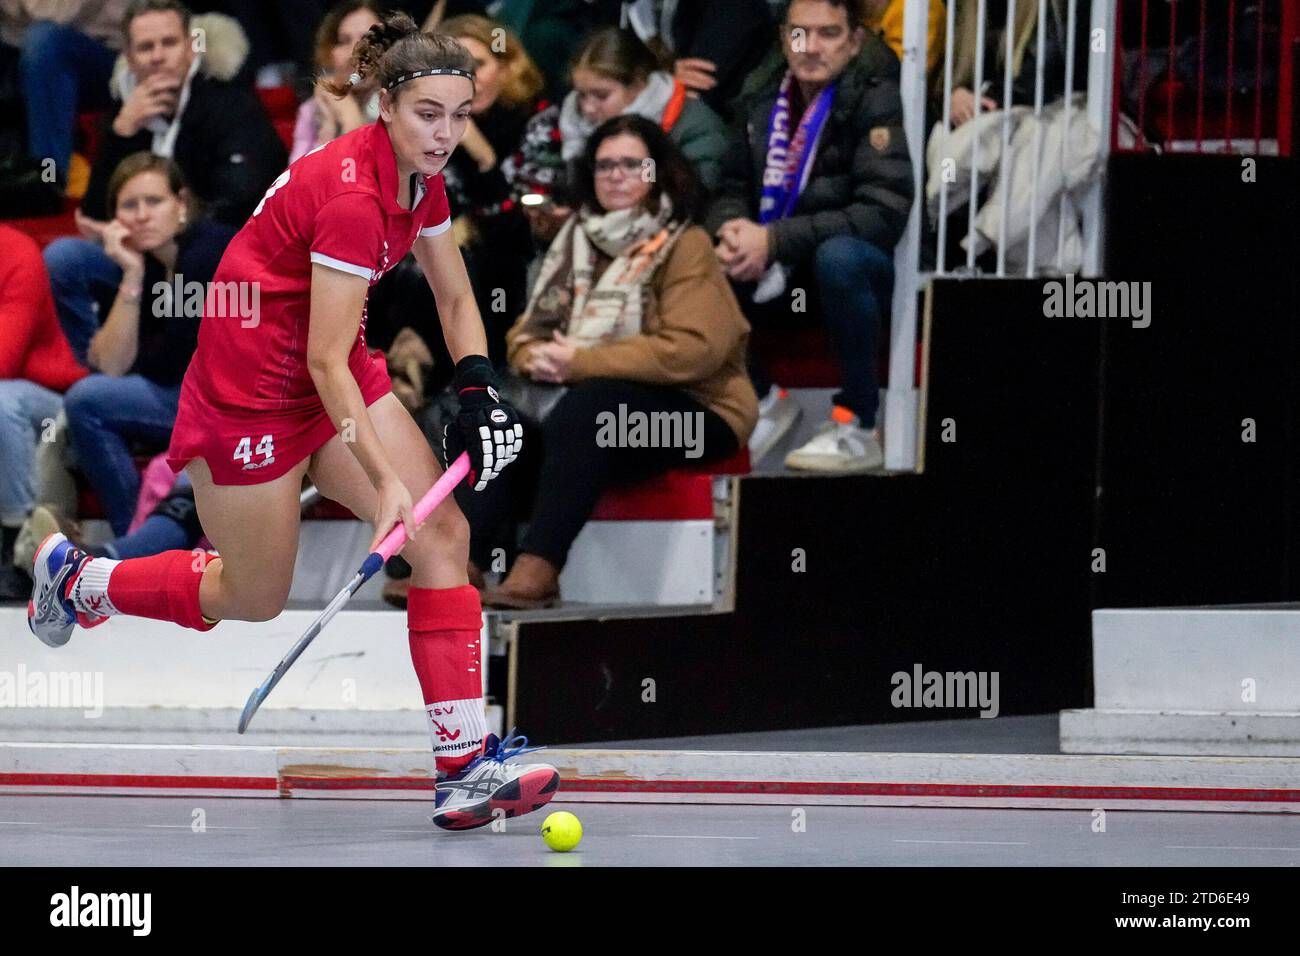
(265, 448)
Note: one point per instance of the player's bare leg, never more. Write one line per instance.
(444, 619)
(254, 529)
(439, 552)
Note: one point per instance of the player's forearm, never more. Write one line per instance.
(341, 397)
(462, 328)
(443, 267)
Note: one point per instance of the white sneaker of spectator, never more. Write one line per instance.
(777, 414)
(841, 446)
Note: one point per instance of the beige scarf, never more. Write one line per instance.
(568, 296)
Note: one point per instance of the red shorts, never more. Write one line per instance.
(254, 447)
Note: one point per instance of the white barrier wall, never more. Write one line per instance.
(360, 662)
(1222, 681)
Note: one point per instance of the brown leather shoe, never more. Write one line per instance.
(42, 522)
(532, 583)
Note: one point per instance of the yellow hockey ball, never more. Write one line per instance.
(562, 831)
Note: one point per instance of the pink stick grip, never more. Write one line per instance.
(452, 477)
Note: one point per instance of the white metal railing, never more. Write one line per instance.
(902, 398)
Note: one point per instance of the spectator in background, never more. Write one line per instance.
(68, 51)
(615, 74)
(324, 116)
(631, 314)
(176, 101)
(507, 90)
(141, 352)
(1059, 184)
(816, 191)
(36, 366)
(1024, 49)
(173, 106)
(709, 47)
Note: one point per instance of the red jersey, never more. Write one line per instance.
(336, 206)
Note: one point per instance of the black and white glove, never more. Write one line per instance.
(485, 427)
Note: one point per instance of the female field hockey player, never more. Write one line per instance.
(291, 390)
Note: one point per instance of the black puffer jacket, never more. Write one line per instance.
(861, 181)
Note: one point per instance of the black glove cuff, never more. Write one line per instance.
(475, 371)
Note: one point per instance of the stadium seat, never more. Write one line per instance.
(282, 107)
(680, 495)
(45, 229)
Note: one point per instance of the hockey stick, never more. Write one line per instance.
(391, 543)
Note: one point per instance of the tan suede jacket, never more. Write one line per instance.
(694, 337)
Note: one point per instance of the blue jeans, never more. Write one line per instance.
(105, 416)
(25, 408)
(855, 281)
(83, 279)
(62, 69)
(158, 533)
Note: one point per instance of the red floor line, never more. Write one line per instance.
(140, 781)
(287, 784)
(583, 785)
(293, 781)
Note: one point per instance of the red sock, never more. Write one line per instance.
(444, 628)
(164, 587)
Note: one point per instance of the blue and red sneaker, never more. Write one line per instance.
(50, 613)
(487, 783)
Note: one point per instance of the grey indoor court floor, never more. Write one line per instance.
(144, 831)
(147, 831)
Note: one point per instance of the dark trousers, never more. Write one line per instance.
(568, 462)
(848, 285)
(62, 70)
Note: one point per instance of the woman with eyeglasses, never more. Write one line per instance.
(631, 321)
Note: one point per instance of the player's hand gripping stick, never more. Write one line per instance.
(389, 546)
(487, 428)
